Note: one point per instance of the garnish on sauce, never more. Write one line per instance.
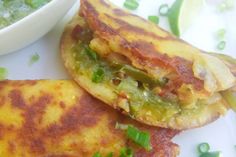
(12, 11)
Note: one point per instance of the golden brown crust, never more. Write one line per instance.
(143, 53)
(181, 122)
(58, 119)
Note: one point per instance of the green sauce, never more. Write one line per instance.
(12, 11)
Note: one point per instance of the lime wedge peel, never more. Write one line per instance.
(182, 13)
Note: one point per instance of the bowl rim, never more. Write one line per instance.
(27, 17)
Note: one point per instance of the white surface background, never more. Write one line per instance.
(221, 135)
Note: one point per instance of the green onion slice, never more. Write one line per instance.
(97, 154)
(221, 34)
(131, 4)
(110, 154)
(226, 5)
(203, 147)
(98, 75)
(126, 152)
(34, 58)
(36, 3)
(221, 45)
(164, 9)
(3, 73)
(92, 54)
(211, 154)
(154, 19)
(139, 137)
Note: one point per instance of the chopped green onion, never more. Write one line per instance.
(98, 75)
(139, 137)
(154, 19)
(203, 147)
(92, 54)
(131, 4)
(164, 10)
(211, 154)
(97, 154)
(126, 152)
(34, 58)
(221, 45)
(226, 5)
(121, 126)
(110, 154)
(36, 3)
(221, 34)
(3, 73)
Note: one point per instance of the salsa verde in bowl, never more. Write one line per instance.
(22, 22)
(13, 10)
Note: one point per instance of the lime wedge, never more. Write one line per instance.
(182, 14)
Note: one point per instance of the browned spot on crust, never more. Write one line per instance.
(106, 30)
(34, 139)
(130, 28)
(1, 131)
(33, 117)
(120, 12)
(37, 146)
(2, 100)
(17, 83)
(146, 52)
(104, 3)
(11, 147)
(84, 114)
(62, 105)
(17, 99)
(22, 83)
(76, 31)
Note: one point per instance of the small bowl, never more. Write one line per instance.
(34, 26)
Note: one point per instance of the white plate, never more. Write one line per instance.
(221, 135)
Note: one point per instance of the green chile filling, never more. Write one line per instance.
(88, 63)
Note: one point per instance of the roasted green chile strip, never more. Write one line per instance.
(139, 98)
(140, 75)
